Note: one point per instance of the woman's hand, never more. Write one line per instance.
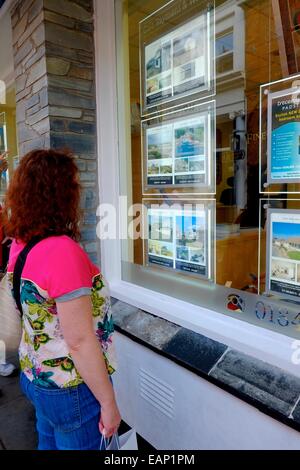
(110, 419)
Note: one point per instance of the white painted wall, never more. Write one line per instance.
(174, 409)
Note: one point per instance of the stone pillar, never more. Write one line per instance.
(33, 123)
(55, 89)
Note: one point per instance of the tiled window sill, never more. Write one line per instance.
(268, 388)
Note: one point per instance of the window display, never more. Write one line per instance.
(178, 150)
(283, 259)
(177, 64)
(280, 136)
(215, 121)
(284, 136)
(180, 237)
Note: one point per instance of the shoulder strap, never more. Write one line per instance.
(19, 266)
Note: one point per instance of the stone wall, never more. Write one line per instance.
(55, 86)
(32, 114)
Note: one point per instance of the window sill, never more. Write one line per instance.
(268, 388)
(262, 344)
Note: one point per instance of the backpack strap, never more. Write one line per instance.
(19, 266)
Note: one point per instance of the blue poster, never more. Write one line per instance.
(284, 138)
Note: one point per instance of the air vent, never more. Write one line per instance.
(157, 393)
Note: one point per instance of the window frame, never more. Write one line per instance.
(259, 342)
(222, 35)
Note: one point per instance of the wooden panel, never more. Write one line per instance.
(237, 258)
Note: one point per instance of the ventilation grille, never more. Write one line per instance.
(158, 393)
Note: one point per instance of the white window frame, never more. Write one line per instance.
(264, 344)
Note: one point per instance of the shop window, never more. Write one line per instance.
(193, 148)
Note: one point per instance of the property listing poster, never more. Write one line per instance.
(284, 137)
(283, 261)
(178, 153)
(179, 239)
(177, 63)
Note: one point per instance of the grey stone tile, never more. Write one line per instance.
(34, 10)
(36, 71)
(32, 101)
(87, 4)
(254, 393)
(41, 51)
(69, 83)
(57, 125)
(59, 51)
(121, 311)
(68, 38)
(195, 350)
(79, 143)
(261, 381)
(69, 9)
(17, 425)
(153, 330)
(59, 97)
(22, 52)
(82, 127)
(86, 27)
(65, 112)
(59, 19)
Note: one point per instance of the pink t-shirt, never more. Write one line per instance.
(57, 270)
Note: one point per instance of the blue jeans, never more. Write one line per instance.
(67, 418)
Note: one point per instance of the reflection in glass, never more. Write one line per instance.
(250, 51)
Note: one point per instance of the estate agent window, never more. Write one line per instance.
(210, 149)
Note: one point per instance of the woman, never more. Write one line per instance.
(66, 347)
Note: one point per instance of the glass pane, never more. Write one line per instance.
(169, 151)
(224, 44)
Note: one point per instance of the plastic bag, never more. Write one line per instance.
(10, 319)
(127, 441)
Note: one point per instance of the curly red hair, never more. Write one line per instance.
(43, 197)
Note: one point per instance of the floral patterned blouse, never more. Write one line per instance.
(57, 270)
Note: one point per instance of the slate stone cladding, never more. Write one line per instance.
(266, 387)
(53, 46)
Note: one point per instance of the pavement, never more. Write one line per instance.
(17, 416)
